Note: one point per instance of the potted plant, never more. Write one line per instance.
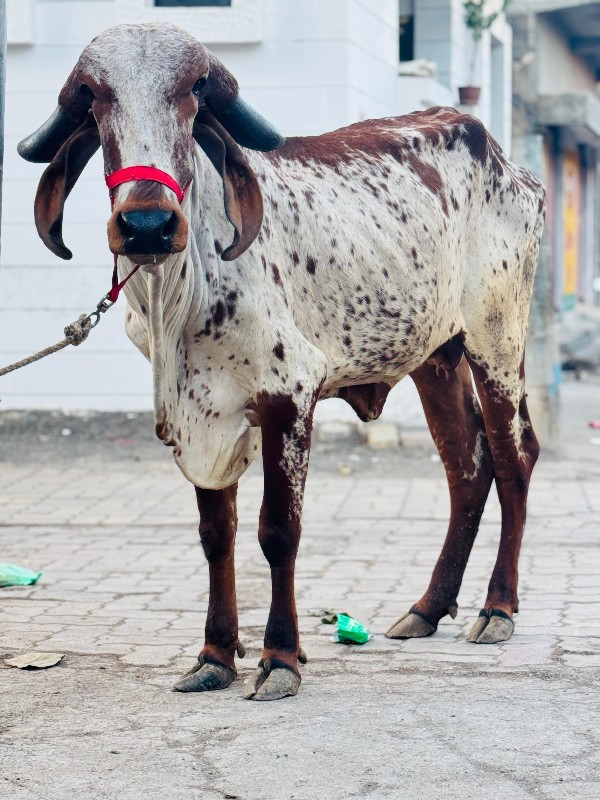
(479, 17)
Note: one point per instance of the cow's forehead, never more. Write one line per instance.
(158, 54)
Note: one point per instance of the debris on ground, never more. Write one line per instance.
(350, 631)
(594, 423)
(14, 575)
(328, 617)
(35, 660)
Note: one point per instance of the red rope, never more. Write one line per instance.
(117, 285)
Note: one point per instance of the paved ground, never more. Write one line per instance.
(124, 593)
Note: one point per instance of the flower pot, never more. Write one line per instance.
(469, 95)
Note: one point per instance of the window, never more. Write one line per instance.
(407, 38)
(163, 3)
(211, 21)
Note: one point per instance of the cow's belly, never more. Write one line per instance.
(387, 348)
(370, 326)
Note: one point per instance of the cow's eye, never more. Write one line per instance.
(198, 86)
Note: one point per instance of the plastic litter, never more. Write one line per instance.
(350, 631)
(594, 423)
(13, 575)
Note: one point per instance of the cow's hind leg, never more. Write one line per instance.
(457, 428)
(215, 668)
(286, 424)
(514, 450)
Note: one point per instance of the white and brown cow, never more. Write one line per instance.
(397, 246)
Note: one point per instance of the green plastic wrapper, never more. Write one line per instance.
(13, 575)
(351, 630)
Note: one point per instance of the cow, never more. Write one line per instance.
(268, 273)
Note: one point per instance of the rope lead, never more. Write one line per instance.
(77, 332)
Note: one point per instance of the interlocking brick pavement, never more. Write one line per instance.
(124, 594)
(124, 573)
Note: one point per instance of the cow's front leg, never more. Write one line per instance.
(286, 423)
(215, 668)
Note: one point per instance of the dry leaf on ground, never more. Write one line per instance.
(35, 660)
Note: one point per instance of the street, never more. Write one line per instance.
(124, 594)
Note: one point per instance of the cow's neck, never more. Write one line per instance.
(175, 297)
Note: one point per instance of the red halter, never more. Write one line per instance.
(139, 173)
(145, 174)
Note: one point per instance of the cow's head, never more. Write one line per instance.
(145, 93)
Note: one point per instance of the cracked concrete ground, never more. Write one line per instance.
(124, 593)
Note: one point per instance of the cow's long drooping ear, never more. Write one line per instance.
(74, 104)
(58, 179)
(242, 195)
(241, 121)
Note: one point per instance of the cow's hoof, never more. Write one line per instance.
(410, 626)
(205, 678)
(273, 685)
(491, 626)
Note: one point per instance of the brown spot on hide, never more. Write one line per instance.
(430, 177)
(219, 313)
(279, 351)
(397, 137)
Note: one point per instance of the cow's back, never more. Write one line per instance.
(372, 229)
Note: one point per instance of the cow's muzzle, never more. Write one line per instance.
(148, 231)
(147, 223)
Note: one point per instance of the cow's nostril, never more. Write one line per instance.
(124, 229)
(147, 231)
(170, 226)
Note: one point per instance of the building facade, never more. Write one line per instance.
(307, 65)
(557, 74)
(556, 132)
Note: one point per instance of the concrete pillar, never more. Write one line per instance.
(542, 367)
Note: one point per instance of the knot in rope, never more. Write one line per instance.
(77, 332)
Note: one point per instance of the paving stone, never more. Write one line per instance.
(153, 656)
(580, 644)
(522, 655)
(581, 660)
